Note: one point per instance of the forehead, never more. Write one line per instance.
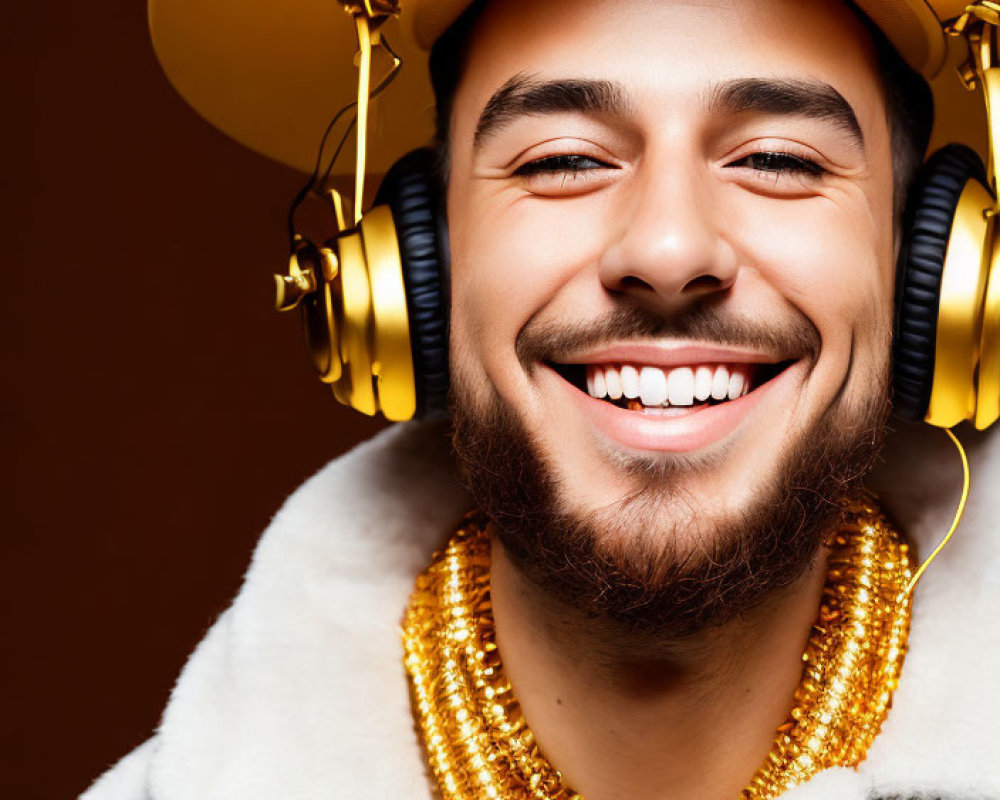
(668, 52)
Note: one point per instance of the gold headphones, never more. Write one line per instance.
(946, 359)
(375, 296)
(351, 289)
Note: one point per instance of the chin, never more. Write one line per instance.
(675, 541)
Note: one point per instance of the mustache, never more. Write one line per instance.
(794, 337)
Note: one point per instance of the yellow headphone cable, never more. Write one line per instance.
(958, 513)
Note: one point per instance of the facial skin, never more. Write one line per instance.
(681, 213)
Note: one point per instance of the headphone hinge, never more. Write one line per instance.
(373, 9)
(298, 283)
(978, 25)
(981, 11)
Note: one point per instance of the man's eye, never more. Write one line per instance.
(779, 163)
(560, 165)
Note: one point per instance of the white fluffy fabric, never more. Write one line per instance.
(298, 690)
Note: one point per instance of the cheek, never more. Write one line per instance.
(833, 262)
(511, 255)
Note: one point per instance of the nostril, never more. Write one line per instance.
(703, 283)
(632, 282)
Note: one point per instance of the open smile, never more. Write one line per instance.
(680, 399)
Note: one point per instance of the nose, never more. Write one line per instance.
(671, 249)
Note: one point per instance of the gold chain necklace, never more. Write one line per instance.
(479, 745)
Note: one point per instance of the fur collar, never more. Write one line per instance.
(298, 689)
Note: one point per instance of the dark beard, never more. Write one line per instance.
(616, 563)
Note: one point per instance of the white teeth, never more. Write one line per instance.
(735, 385)
(630, 381)
(595, 382)
(613, 382)
(680, 386)
(702, 383)
(600, 388)
(720, 384)
(652, 386)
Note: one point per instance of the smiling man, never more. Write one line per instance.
(672, 296)
(681, 365)
(673, 231)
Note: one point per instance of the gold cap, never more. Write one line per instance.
(271, 73)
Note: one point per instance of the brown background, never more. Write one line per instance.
(155, 410)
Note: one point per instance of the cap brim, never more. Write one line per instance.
(272, 73)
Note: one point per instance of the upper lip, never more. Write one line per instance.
(670, 354)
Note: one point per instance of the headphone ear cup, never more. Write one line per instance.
(927, 226)
(412, 193)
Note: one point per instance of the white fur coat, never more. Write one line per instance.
(298, 690)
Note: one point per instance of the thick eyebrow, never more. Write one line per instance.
(802, 98)
(523, 95)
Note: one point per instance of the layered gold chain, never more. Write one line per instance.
(853, 658)
(479, 745)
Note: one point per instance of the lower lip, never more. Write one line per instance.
(676, 434)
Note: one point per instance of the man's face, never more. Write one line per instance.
(691, 196)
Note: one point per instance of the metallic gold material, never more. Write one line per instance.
(337, 201)
(369, 17)
(353, 300)
(364, 88)
(988, 389)
(853, 659)
(322, 321)
(976, 297)
(364, 350)
(329, 264)
(308, 286)
(479, 745)
(392, 355)
(291, 288)
(987, 11)
(323, 331)
(963, 287)
(988, 69)
(982, 68)
(356, 384)
(372, 8)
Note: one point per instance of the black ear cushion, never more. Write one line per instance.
(926, 228)
(411, 191)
